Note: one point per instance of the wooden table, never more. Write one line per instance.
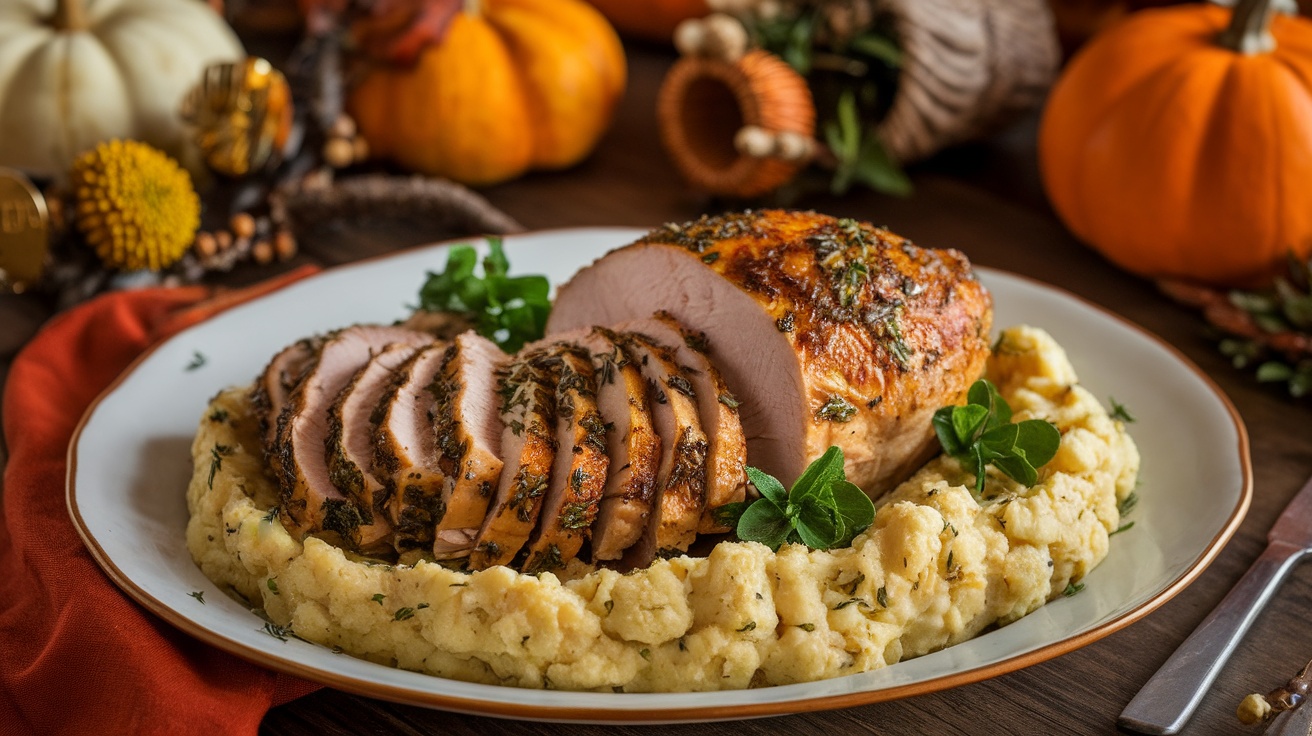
(984, 199)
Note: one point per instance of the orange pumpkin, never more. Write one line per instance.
(513, 85)
(653, 20)
(1179, 142)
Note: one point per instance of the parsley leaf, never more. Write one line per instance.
(510, 311)
(823, 510)
(981, 434)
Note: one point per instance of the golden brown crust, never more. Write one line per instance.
(885, 331)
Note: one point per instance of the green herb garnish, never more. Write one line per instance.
(509, 311)
(403, 614)
(981, 433)
(1072, 589)
(823, 510)
(272, 585)
(278, 632)
(1122, 528)
(197, 360)
(378, 598)
(198, 595)
(1119, 412)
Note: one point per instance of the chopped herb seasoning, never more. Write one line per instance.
(272, 585)
(836, 409)
(645, 654)
(683, 646)
(710, 257)
(278, 632)
(610, 605)
(1122, 528)
(1127, 505)
(1119, 411)
(949, 565)
(786, 323)
(749, 626)
(217, 453)
(198, 595)
(458, 585)
(806, 627)
(728, 400)
(1072, 589)
(849, 602)
(378, 598)
(852, 586)
(403, 614)
(421, 606)
(197, 360)
(575, 515)
(681, 384)
(269, 517)
(882, 596)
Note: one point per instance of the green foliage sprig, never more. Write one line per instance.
(823, 510)
(981, 433)
(508, 310)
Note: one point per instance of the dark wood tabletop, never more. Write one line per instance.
(984, 199)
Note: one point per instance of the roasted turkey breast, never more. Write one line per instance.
(827, 331)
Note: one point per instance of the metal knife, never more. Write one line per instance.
(1167, 701)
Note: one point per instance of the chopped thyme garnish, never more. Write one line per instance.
(217, 453)
(882, 596)
(849, 602)
(711, 257)
(197, 360)
(421, 606)
(269, 517)
(1119, 412)
(1127, 504)
(278, 632)
(806, 627)
(458, 585)
(378, 598)
(272, 585)
(403, 614)
(575, 515)
(1072, 589)
(836, 409)
(851, 587)
(645, 654)
(198, 595)
(749, 626)
(609, 605)
(728, 400)
(682, 385)
(1121, 528)
(786, 323)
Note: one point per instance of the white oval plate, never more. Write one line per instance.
(129, 464)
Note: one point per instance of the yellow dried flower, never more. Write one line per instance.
(134, 205)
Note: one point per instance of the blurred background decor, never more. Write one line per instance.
(1177, 143)
(76, 73)
(893, 82)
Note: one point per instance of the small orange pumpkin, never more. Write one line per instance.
(512, 85)
(1179, 142)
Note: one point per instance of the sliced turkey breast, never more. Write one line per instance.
(276, 383)
(311, 504)
(528, 447)
(726, 454)
(632, 444)
(351, 431)
(828, 331)
(468, 426)
(405, 449)
(578, 475)
(681, 475)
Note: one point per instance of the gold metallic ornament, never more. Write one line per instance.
(242, 116)
(24, 232)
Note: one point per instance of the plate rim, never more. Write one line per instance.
(581, 714)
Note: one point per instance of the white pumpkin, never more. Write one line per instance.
(74, 73)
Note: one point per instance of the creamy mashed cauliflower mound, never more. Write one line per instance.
(934, 569)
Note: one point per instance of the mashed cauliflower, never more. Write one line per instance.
(935, 568)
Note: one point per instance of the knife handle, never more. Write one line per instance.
(1165, 703)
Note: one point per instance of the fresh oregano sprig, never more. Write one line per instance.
(981, 433)
(823, 510)
(510, 311)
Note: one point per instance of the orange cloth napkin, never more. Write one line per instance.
(77, 656)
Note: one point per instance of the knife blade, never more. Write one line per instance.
(1165, 703)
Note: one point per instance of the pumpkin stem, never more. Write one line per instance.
(70, 16)
(1249, 31)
